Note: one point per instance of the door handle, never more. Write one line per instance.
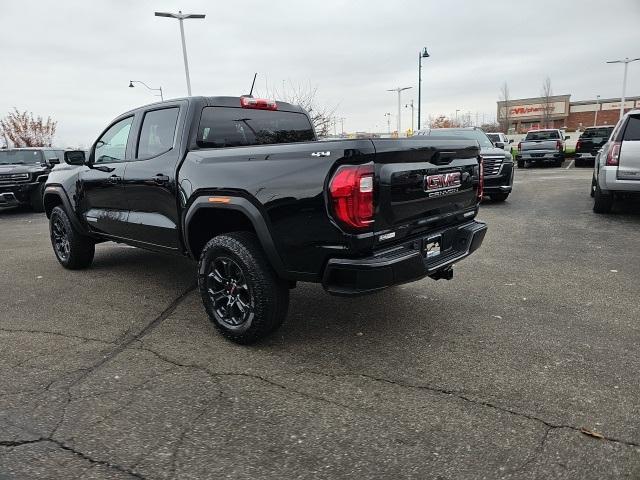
(114, 179)
(161, 178)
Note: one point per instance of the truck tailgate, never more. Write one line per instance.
(424, 183)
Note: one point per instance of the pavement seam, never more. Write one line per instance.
(59, 334)
(475, 401)
(63, 446)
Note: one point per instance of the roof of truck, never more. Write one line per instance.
(218, 101)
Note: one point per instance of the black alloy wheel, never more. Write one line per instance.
(60, 237)
(230, 295)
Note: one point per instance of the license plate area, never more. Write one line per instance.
(432, 247)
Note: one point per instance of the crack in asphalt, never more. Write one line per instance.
(64, 446)
(475, 401)
(59, 334)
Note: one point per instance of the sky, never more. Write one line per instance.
(73, 59)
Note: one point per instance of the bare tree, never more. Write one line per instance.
(305, 95)
(504, 96)
(547, 102)
(491, 127)
(441, 121)
(23, 130)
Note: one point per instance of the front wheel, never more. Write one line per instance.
(73, 250)
(241, 293)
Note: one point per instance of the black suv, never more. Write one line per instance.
(23, 172)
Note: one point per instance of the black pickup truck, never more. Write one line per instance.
(243, 186)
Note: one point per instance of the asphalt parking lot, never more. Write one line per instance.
(525, 365)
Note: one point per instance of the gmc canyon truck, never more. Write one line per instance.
(541, 146)
(243, 186)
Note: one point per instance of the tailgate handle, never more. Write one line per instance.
(443, 157)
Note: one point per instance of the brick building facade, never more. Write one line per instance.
(527, 113)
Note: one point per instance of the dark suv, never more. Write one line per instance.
(23, 172)
(591, 140)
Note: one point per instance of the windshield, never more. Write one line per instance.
(469, 134)
(543, 135)
(8, 157)
(597, 132)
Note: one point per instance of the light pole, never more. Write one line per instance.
(421, 55)
(131, 85)
(410, 105)
(626, 62)
(399, 90)
(388, 115)
(180, 16)
(457, 117)
(595, 118)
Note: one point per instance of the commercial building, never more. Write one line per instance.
(528, 113)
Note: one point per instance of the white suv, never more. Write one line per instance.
(617, 165)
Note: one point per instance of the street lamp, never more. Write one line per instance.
(131, 85)
(388, 115)
(595, 118)
(421, 55)
(410, 105)
(626, 62)
(457, 117)
(180, 16)
(399, 90)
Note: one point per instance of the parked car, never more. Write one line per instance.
(590, 141)
(540, 147)
(616, 173)
(23, 172)
(497, 163)
(500, 140)
(243, 186)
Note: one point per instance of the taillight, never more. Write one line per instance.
(578, 145)
(559, 145)
(480, 179)
(519, 146)
(258, 103)
(613, 157)
(351, 195)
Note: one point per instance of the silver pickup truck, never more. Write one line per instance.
(617, 166)
(541, 146)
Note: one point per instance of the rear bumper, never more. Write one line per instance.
(540, 157)
(403, 263)
(584, 156)
(609, 181)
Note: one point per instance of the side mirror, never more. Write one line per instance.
(499, 145)
(567, 137)
(53, 161)
(74, 157)
(511, 141)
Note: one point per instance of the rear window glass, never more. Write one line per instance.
(632, 130)
(494, 137)
(236, 127)
(597, 132)
(543, 135)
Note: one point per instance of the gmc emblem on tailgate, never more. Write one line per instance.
(442, 184)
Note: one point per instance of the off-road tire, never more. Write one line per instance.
(79, 249)
(37, 202)
(520, 163)
(592, 193)
(578, 162)
(602, 203)
(268, 294)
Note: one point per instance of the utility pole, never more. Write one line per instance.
(595, 118)
(180, 16)
(626, 62)
(342, 119)
(457, 118)
(399, 90)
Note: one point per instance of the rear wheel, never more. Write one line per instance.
(602, 203)
(558, 163)
(498, 197)
(520, 163)
(593, 187)
(37, 203)
(73, 250)
(579, 162)
(241, 293)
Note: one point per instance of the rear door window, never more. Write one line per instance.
(158, 132)
(632, 130)
(236, 127)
